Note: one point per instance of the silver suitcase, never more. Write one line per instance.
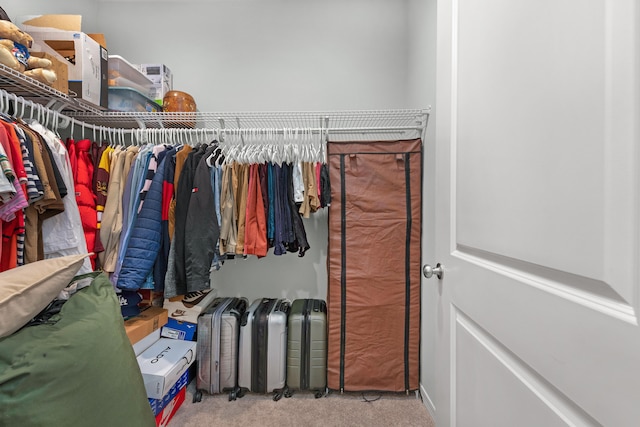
(263, 347)
(217, 348)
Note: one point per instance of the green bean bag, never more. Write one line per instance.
(77, 369)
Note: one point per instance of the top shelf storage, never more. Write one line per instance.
(400, 123)
(364, 120)
(32, 90)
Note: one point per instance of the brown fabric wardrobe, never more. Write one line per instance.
(374, 265)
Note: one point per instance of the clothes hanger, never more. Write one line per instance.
(71, 128)
(23, 102)
(135, 137)
(55, 125)
(255, 153)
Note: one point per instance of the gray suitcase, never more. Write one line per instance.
(217, 347)
(307, 347)
(263, 347)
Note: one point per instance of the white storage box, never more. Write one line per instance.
(146, 342)
(130, 100)
(161, 77)
(124, 74)
(163, 364)
(60, 36)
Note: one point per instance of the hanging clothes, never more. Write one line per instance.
(271, 208)
(63, 234)
(85, 197)
(185, 188)
(144, 242)
(310, 200)
(142, 178)
(282, 218)
(264, 187)
(202, 231)
(325, 187)
(255, 239)
(162, 260)
(35, 190)
(214, 161)
(299, 242)
(31, 246)
(130, 203)
(101, 190)
(111, 221)
(240, 181)
(11, 213)
(228, 214)
(298, 183)
(7, 190)
(181, 158)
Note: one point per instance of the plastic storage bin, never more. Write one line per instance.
(129, 100)
(124, 74)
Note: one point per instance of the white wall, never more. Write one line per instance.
(269, 55)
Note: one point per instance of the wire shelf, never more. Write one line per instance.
(18, 85)
(62, 110)
(331, 121)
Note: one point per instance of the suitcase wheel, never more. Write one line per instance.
(197, 397)
(277, 395)
(232, 395)
(288, 394)
(240, 393)
(318, 394)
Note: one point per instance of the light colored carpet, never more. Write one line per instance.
(302, 409)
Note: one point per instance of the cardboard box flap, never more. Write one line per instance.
(64, 48)
(99, 37)
(49, 22)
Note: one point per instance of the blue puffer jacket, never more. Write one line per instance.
(144, 242)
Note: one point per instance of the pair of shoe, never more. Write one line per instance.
(190, 300)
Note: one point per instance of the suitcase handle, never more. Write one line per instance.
(244, 319)
(239, 309)
(319, 306)
(283, 306)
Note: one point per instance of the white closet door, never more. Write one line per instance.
(538, 213)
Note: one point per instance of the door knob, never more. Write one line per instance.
(429, 271)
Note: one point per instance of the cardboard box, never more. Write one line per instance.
(151, 297)
(61, 69)
(188, 310)
(163, 418)
(146, 322)
(86, 58)
(163, 364)
(162, 79)
(178, 330)
(146, 342)
(157, 405)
